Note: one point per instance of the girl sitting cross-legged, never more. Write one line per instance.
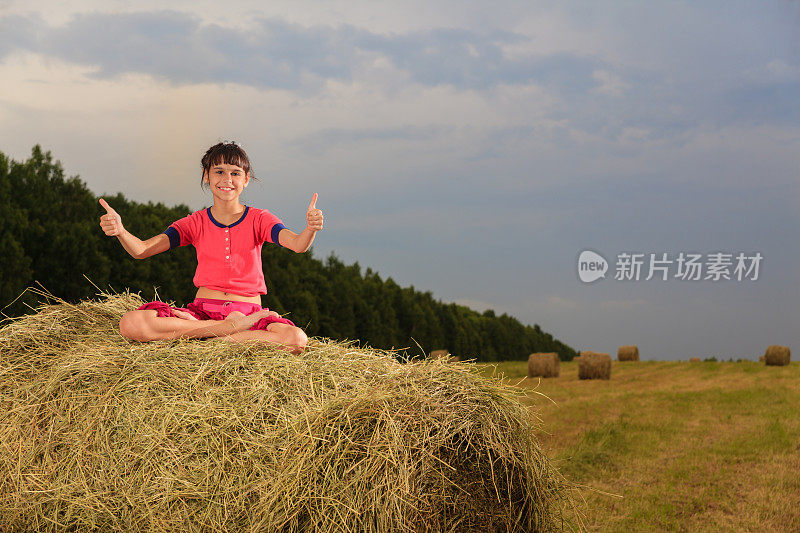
(228, 237)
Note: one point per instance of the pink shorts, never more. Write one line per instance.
(211, 309)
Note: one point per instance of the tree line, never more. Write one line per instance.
(49, 233)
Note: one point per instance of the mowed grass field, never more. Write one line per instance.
(711, 446)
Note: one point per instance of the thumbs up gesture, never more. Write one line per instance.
(111, 222)
(313, 215)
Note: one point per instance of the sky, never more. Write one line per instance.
(473, 149)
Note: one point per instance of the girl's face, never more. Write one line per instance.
(226, 181)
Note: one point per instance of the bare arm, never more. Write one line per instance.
(111, 223)
(140, 249)
(302, 242)
(296, 242)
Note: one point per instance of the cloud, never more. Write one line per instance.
(612, 96)
(18, 33)
(177, 47)
(474, 60)
(322, 140)
(781, 71)
(774, 101)
(609, 83)
(273, 53)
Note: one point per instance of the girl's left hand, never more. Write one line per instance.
(313, 215)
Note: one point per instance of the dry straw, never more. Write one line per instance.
(592, 365)
(777, 355)
(546, 365)
(628, 353)
(101, 433)
(694, 360)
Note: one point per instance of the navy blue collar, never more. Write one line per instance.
(214, 220)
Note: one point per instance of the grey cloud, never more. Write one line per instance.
(776, 102)
(324, 139)
(663, 102)
(18, 33)
(176, 46)
(667, 105)
(467, 59)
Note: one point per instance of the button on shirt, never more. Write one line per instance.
(228, 257)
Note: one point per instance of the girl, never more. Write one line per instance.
(230, 281)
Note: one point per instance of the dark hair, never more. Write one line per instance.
(225, 153)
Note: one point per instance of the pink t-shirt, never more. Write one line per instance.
(228, 257)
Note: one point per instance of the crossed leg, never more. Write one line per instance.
(291, 338)
(145, 325)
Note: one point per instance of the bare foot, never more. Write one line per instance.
(183, 314)
(244, 323)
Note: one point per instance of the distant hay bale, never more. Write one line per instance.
(694, 360)
(628, 353)
(443, 354)
(760, 358)
(546, 365)
(594, 365)
(100, 433)
(777, 355)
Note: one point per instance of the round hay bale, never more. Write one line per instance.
(101, 433)
(777, 355)
(546, 365)
(760, 358)
(694, 360)
(594, 365)
(628, 353)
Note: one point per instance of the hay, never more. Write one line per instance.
(594, 365)
(546, 365)
(628, 353)
(777, 355)
(761, 359)
(99, 433)
(694, 360)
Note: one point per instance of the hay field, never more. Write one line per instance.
(689, 447)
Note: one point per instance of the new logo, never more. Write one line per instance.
(591, 266)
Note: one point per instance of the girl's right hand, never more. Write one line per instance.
(111, 222)
(183, 314)
(244, 322)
